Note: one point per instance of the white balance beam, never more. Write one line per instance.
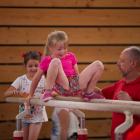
(77, 103)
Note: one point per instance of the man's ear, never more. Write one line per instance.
(134, 63)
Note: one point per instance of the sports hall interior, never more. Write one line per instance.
(97, 30)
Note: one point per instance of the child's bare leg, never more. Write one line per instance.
(34, 131)
(89, 77)
(55, 73)
(94, 80)
(26, 133)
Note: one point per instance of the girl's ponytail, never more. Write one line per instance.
(47, 51)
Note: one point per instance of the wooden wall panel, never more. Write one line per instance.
(15, 53)
(70, 3)
(110, 73)
(104, 84)
(96, 114)
(96, 128)
(84, 54)
(68, 17)
(95, 35)
(9, 73)
(3, 88)
(13, 110)
(6, 109)
(9, 127)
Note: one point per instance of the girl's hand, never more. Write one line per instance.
(28, 100)
(16, 92)
(43, 90)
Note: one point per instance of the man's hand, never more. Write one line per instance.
(121, 95)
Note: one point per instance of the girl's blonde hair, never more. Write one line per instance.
(53, 38)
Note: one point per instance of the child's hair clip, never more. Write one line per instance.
(40, 53)
(23, 55)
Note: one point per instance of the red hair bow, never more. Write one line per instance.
(40, 53)
(23, 55)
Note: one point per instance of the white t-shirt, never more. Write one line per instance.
(56, 130)
(37, 113)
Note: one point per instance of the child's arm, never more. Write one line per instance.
(11, 91)
(76, 69)
(34, 84)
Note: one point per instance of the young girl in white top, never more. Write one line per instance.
(31, 124)
(62, 71)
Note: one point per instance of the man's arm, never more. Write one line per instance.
(121, 95)
(98, 90)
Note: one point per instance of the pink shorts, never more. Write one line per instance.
(74, 87)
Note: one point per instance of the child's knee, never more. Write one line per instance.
(99, 65)
(55, 62)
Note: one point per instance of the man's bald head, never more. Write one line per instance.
(134, 53)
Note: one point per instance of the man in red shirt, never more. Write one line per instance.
(127, 89)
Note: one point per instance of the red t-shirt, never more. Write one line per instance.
(133, 89)
(135, 135)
